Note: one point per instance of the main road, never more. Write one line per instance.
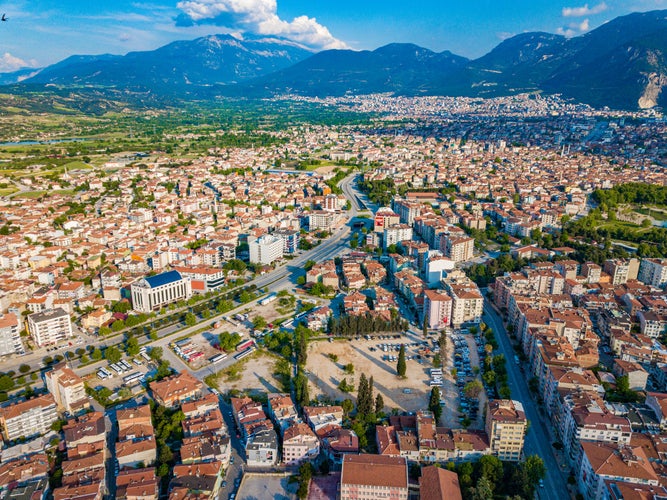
(538, 441)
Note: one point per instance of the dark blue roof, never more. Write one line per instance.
(163, 279)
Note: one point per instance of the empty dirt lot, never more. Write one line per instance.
(325, 374)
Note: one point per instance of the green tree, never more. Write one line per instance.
(228, 341)
(401, 366)
(24, 368)
(57, 425)
(364, 397)
(349, 368)
(121, 306)
(301, 388)
(132, 346)
(434, 404)
(117, 325)
(305, 475)
(162, 470)
(483, 490)
(163, 370)
(155, 353)
(379, 404)
(96, 355)
(165, 454)
(190, 319)
(347, 406)
(472, 388)
(302, 345)
(492, 468)
(259, 323)
(345, 386)
(437, 360)
(360, 430)
(535, 468)
(112, 354)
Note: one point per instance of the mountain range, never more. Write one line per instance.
(621, 64)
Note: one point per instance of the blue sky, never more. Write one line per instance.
(42, 32)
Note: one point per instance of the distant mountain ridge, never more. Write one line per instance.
(210, 60)
(621, 64)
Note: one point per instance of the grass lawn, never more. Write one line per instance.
(31, 194)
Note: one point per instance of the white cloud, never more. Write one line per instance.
(10, 63)
(585, 10)
(260, 16)
(574, 29)
(504, 35)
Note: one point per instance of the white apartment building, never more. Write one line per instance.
(28, 418)
(653, 272)
(10, 335)
(437, 309)
(300, 444)
(457, 248)
(467, 301)
(585, 416)
(395, 234)
(50, 326)
(319, 219)
(262, 449)
(67, 389)
(266, 249)
(506, 426)
(154, 292)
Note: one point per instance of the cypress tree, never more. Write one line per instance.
(434, 404)
(379, 403)
(400, 365)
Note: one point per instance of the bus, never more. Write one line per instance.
(125, 365)
(217, 358)
(102, 375)
(269, 298)
(145, 356)
(242, 346)
(243, 354)
(131, 378)
(116, 368)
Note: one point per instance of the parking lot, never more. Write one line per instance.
(128, 372)
(466, 357)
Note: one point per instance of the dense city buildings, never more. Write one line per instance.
(432, 231)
